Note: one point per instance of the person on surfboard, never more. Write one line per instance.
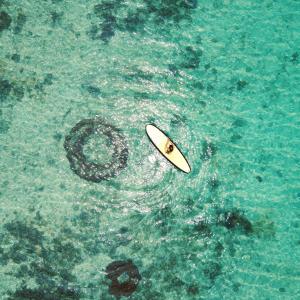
(169, 147)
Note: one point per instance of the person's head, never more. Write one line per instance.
(170, 148)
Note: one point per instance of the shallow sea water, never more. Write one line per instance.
(221, 78)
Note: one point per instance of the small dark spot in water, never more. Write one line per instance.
(198, 85)
(235, 219)
(107, 30)
(295, 57)
(92, 90)
(56, 17)
(241, 84)
(5, 89)
(51, 162)
(124, 276)
(208, 150)
(191, 58)
(202, 103)
(4, 126)
(178, 120)
(236, 286)
(135, 21)
(192, 289)
(48, 80)
(15, 57)
(62, 186)
(5, 20)
(219, 248)
(282, 290)
(173, 69)
(207, 66)
(166, 211)
(94, 32)
(18, 92)
(239, 123)
(203, 228)
(57, 136)
(259, 178)
(235, 138)
(213, 271)
(123, 230)
(20, 22)
(213, 183)
(209, 87)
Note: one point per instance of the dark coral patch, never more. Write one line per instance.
(219, 248)
(235, 219)
(62, 292)
(239, 122)
(241, 84)
(213, 271)
(118, 269)
(15, 57)
(295, 57)
(92, 90)
(259, 178)
(169, 10)
(5, 20)
(203, 228)
(192, 289)
(56, 17)
(105, 11)
(159, 12)
(21, 20)
(47, 261)
(135, 21)
(235, 138)
(5, 89)
(89, 170)
(191, 58)
(4, 126)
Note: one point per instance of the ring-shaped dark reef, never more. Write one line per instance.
(116, 269)
(88, 170)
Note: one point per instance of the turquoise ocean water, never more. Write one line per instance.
(221, 78)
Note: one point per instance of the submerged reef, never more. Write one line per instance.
(5, 89)
(236, 220)
(79, 163)
(5, 20)
(159, 12)
(48, 261)
(20, 22)
(115, 272)
(44, 256)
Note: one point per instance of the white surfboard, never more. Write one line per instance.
(167, 148)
